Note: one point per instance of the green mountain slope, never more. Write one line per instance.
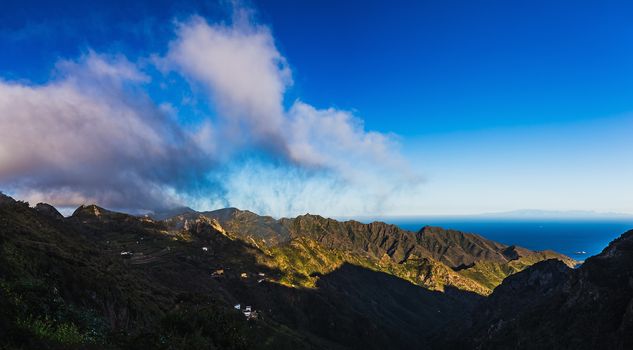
(101, 279)
(432, 258)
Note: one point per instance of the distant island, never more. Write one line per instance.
(555, 214)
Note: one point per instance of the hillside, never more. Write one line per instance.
(433, 257)
(104, 279)
(550, 306)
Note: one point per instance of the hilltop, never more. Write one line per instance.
(100, 277)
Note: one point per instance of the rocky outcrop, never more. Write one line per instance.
(48, 210)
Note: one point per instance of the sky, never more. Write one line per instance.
(369, 108)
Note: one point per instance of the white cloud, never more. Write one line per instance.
(94, 67)
(335, 138)
(242, 71)
(86, 137)
(93, 134)
(246, 77)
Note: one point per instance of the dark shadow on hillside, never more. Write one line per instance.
(351, 307)
(363, 309)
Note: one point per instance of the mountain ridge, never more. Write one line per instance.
(458, 251)
(314, 282)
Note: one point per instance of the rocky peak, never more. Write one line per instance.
(91, 210)
(48, 210)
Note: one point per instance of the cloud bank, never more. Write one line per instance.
(91, 136)
(95, 133)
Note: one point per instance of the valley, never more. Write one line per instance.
(105, 279)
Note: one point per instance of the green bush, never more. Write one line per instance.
(48, 330)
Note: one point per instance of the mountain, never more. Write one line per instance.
(105, 279)
(550, 306)
(432, 257)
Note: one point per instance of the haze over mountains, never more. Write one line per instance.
(104, 279)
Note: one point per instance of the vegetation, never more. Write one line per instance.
(100, 279)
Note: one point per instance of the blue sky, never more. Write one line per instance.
(408, 108)
(419, 67)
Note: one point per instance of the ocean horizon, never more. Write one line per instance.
(577, 238)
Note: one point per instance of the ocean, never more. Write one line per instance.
(576, 238)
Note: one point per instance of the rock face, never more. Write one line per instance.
(550, 306)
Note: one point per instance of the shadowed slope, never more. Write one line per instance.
(433, 257)
(70, 274)
(108, 277)
(552, 306)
